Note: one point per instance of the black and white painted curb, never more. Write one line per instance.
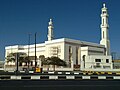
(62, 76)
(85, 73)
(59, 77)
(74, 73)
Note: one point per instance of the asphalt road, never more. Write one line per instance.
(59, 84)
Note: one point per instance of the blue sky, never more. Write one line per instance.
(75, 19)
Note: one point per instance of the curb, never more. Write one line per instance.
(61, 77)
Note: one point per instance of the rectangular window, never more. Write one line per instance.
(20, 48)
(104, 12)
(31, 63)
(103, 34)
(70, 55)
(77, 55)
(107, 60)
(98, 65)
(97, 60)
(70, 49)
(55, 51)
(25, 63)
(103, 21)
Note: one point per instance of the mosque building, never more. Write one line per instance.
(81, 54)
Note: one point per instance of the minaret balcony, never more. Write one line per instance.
(104, 26)
(104, 15)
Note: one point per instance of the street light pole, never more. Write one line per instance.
(35, 51)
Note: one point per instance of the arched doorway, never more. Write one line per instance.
(83, 57)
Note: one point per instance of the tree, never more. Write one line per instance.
(10, 57)
(42, 58)
(17, 57)
(55, 61)
(22, 57)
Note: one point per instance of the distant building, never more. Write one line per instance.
(116, 64)
(85, 55)
(1, 65)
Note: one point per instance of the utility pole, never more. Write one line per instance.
(28, 50)
(17, 58)
(57, 51)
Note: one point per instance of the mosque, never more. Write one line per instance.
(77, 54)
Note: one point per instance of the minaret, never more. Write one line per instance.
(104, 30)
(50, 30)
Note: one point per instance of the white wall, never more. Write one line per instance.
(73, 59)
(90, 62)
(44, 49)
(48, 52)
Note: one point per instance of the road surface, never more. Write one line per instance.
(59, 84)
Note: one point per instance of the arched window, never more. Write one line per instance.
(83, 57)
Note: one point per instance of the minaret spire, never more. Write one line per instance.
(104, 5)
(50, 30)
(104, 29)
